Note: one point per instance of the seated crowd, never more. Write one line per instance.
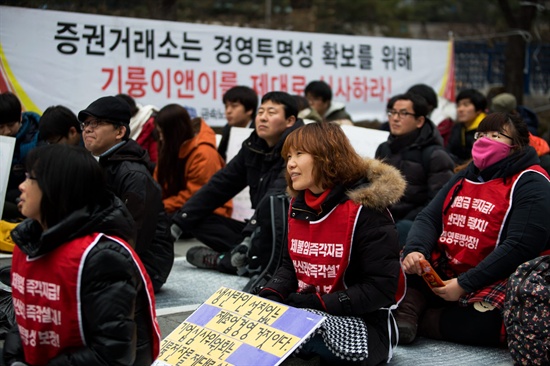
(471, 197)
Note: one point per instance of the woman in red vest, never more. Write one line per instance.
(490, 217)
(80, 293)
(343, 254)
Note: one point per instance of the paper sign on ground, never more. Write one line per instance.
(236, 328)
(7, 145)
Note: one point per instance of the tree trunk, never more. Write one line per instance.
(516, 49)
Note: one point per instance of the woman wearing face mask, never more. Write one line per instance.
(489, 218)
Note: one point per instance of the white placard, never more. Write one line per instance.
(364, 140)
(242, 208)
(7, 146)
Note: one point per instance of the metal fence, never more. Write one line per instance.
(480, 64)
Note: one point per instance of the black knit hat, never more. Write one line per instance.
(110, 108)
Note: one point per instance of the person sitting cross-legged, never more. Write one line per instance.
(488, 219)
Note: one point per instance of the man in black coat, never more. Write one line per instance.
(106, 131)
(258, 165)
(415, 147)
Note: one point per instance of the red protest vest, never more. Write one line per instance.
(472, 226)
(320, 250)
(46, 297)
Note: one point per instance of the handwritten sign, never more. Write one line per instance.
(237, 328)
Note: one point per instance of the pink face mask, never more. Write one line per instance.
(486, 152)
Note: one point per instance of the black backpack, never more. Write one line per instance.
(527, 312)
(271, 244)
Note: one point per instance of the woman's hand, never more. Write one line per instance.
(411, 263)
(451, 291)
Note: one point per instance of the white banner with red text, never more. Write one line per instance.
(52, 57)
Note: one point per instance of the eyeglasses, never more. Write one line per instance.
(29, 176)
(493, 135)
(93, 123)
(401, 114)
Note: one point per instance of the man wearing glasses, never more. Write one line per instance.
(415, 147)
(105, 132)
(59, 125)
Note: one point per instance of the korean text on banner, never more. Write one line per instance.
(160, 62)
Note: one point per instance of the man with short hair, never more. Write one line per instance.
(319, 96)
(258, 165)
(106, 131)
(415, 147)
(470, 111)
(240, 109)
(59, 125)
(24, 128)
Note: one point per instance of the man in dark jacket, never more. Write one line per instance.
(259, 166)
(24, 128)
(415, 147)
(105, 131)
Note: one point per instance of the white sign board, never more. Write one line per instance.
(364, 140)
(7, 146)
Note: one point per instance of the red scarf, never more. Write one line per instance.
(314, 201)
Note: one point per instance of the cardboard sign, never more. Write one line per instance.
(237, 328)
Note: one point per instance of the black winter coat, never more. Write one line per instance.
(460, 143)
(129, 177)
(116, 332)
(424, 163)
(373, 272)
(224, 142)
(524, 236)
(256, 165)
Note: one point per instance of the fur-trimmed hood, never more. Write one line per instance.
(382, 186)
(385, 188)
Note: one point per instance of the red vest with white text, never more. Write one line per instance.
(320, 250)
(46, 297)
(472, 227)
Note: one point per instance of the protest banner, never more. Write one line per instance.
(236, 328)
(73, 58)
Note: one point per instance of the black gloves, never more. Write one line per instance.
(270, 295)
(311, 301)
(239, 255)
